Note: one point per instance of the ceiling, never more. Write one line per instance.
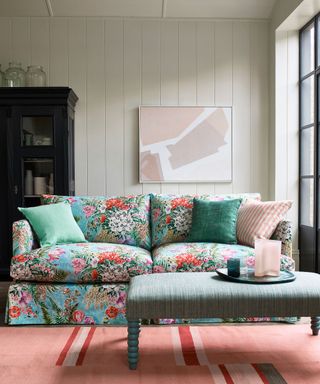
(248, 9)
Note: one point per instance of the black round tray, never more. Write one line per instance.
(250, 278)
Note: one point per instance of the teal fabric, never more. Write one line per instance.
(42, 303)
(54, 224)
(171, 215)
(214, 221)
(205, 295)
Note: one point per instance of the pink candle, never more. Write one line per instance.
(267, 260)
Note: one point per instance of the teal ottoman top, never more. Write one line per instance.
(205, 295)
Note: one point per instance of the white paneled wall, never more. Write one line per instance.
(287, 124)
(114, 65)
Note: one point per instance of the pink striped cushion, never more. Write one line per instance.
(259, 219)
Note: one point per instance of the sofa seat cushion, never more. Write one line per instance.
(82, 263)
(204, 257)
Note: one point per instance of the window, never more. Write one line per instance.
(309, 177)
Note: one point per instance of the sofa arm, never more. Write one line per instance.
(22, 237)
(283, 233)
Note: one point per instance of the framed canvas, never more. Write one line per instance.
(185, 144)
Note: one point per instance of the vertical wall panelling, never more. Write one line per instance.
(205, 78)
(259, 110)
(58, 74)
(39, 39)
(150, 92)
(114, 65)
(77, 81)
(21, 40)
(292, 166)
(169, 76)
(223, 62)
(241, 107)
(5, 42)
(281, 114)
(96, 105)
(287, 124)
(114, 107)
(187, 76)
(132, 95)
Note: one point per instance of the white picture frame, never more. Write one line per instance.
(185, 144)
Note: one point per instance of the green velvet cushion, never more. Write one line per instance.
(214, 221)
(54, 224)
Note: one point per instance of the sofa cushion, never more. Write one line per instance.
(54, 224)
(259, 219)
(214, 221)
(171, 215)
(198, 257)
(121, 220)
(82, 263)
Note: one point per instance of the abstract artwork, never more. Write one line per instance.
(185, 144)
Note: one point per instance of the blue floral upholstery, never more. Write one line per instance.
(121, 220)
(87, 283)
(204, 257)
(171, 215)
(38, 303)
(80, 263)
(22, 237)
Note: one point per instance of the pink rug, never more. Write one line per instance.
(243, 354)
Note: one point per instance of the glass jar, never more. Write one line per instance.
(36, 76)
(14, 76)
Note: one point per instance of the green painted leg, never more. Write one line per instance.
(133, 343)
(315, 325)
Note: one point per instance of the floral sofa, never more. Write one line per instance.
(126, 236)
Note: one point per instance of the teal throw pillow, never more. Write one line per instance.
(214, 221)
(54, 224)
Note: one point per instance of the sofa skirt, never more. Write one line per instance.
(38, 303)
(75, 304)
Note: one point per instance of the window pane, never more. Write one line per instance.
(307, 50)
(318, 42)
(307, 100)
(38, 176)
(307, 151)
(37, 130)
(306, 208)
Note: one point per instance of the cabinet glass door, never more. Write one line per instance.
(38, 179)
(37, 130)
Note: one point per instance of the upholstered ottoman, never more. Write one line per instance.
(205, 295)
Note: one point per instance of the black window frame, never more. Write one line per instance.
(309, 237)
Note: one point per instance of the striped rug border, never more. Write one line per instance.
(189, 351)
(76, 347)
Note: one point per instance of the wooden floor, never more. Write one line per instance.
(3, 298)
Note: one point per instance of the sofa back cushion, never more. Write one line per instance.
(171, 215)
(121, 220)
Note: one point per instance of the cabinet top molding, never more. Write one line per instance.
(37, 95)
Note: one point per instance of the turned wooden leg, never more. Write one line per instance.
(133, 343)
(315, 325)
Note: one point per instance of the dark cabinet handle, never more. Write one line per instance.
(15, 189)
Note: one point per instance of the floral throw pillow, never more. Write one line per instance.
(121, 220)
(171, 215)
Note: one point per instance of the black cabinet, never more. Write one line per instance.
(36, 152)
